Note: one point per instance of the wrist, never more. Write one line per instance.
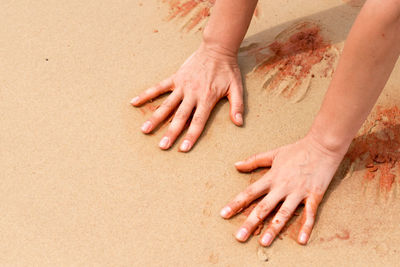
(217, 53)
(330, 143)
(211, 44)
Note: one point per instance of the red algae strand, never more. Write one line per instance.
(343, 235)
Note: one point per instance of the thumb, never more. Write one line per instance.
(235, 98)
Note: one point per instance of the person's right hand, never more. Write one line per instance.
(204, 78)
(300, 173)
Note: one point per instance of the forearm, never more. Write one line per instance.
(370, 53)
(228, 25)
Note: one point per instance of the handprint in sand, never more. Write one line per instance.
(192, 13)
(377, 149)
(288, 64)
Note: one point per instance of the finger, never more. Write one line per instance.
(244, 198)
(196, 127)
(309, 213)
(256, 161)
(163, 111)
(154, 91)
(257, 216)
(283, 215)
(235, 98)
(178, 123)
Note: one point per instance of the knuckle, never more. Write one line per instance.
(154, 118)
(273, 229)
(167, 104)
(254, 160)
(191, 137)
(198, 119)
(284, 213)
(151, 90)
(180, 115)
(284, 183)
(307, 227)
(164, 83)
(238, 105)
(210, 95)
(172, 131)
(157, 115)
(248, 193)
(309, 222)
(318, 190)
(158, 86)
(310, 217)
(177, 89)
(262, 209)
(237, 205)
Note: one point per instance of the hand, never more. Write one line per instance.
(204, 78)
(300, 172)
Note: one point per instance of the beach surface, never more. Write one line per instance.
(82, 186)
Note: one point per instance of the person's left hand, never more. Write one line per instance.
(300, 172)
(206, 76)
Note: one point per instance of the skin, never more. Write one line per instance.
(209, 74)
(300, 172)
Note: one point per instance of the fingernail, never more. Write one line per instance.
(134, 100)
(146, 126)
(303, 238)
(164, 142)
(185, 146)
(266, 239)
(241, 234)
(239, 163)
(239, 118)
(225, 211)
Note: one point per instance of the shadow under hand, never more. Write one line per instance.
(338, 21)
(375, 152)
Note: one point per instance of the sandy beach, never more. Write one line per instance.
(81, 185)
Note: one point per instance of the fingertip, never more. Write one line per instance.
(239, 163)
(242, 234)
(303, 238)
(241, 166)
(266, 239)
(225, 212)
(146, 127)
(135, 101)
(185, 146)
(239, 119)
(164, 143)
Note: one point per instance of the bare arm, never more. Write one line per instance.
(371, 51)
(228, 25)
(301, 172)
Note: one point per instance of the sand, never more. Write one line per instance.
(82, 186)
